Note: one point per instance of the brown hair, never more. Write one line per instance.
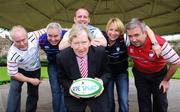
(83, 8)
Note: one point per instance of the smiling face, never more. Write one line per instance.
(114, 29)
(53, 36)
(113, 32)
(82, 17)
(80, 44)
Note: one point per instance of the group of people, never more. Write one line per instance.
(105, 55)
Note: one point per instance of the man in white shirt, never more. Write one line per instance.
(23, 65)
(82, 17)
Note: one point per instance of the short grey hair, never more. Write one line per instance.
(54, 25)
(17, 28)
(136, 22)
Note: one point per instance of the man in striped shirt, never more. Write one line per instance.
(23, 65)
(48, 39)
(151, 73)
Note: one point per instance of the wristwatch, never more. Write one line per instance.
(154, 43)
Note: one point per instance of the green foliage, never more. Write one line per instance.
(44, 63)
(3, 60)
(4, 77)
(177, 74)
(44, 73)
(130, 72)
(130, 62)
(176, 45)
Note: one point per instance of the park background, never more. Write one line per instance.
(161, 15)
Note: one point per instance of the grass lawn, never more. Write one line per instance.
(5, 77)
(44, 74)
(3, 74)
(177, 74)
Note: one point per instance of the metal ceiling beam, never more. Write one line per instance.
(12, 23)
(166, 24)
(65, 8)
(122, 9)
(37, 10)
(178, 7)
(163, 4)
(62, 20)
(62, 4)
(119, 6)
(145, 18)
(126, 11)
(94, 11)
(166, 6)
(134, 4)
(156, 15)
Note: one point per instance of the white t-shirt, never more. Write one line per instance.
(27, 60)
(96, 32)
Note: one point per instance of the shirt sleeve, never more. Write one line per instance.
(98, 34)
(37, 33)
(169, 54)
(66, 35)
(12, 66)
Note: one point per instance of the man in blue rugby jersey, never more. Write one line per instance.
(49, 42)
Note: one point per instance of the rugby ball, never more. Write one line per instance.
(86, 87)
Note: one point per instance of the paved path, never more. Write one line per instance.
(44, 104)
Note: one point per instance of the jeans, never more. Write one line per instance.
(14, 97)
(122, 86)
(56, 89)
(150, 97)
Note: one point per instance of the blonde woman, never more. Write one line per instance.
(117, 53)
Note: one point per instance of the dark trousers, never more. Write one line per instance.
(99, 104)
(150, 97)
(14, 97)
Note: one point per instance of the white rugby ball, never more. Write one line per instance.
(86, 87)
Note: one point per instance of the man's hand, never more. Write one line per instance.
(96, 42)
(101, 82)
(34, 81)
(164, 85)
(157, 49)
